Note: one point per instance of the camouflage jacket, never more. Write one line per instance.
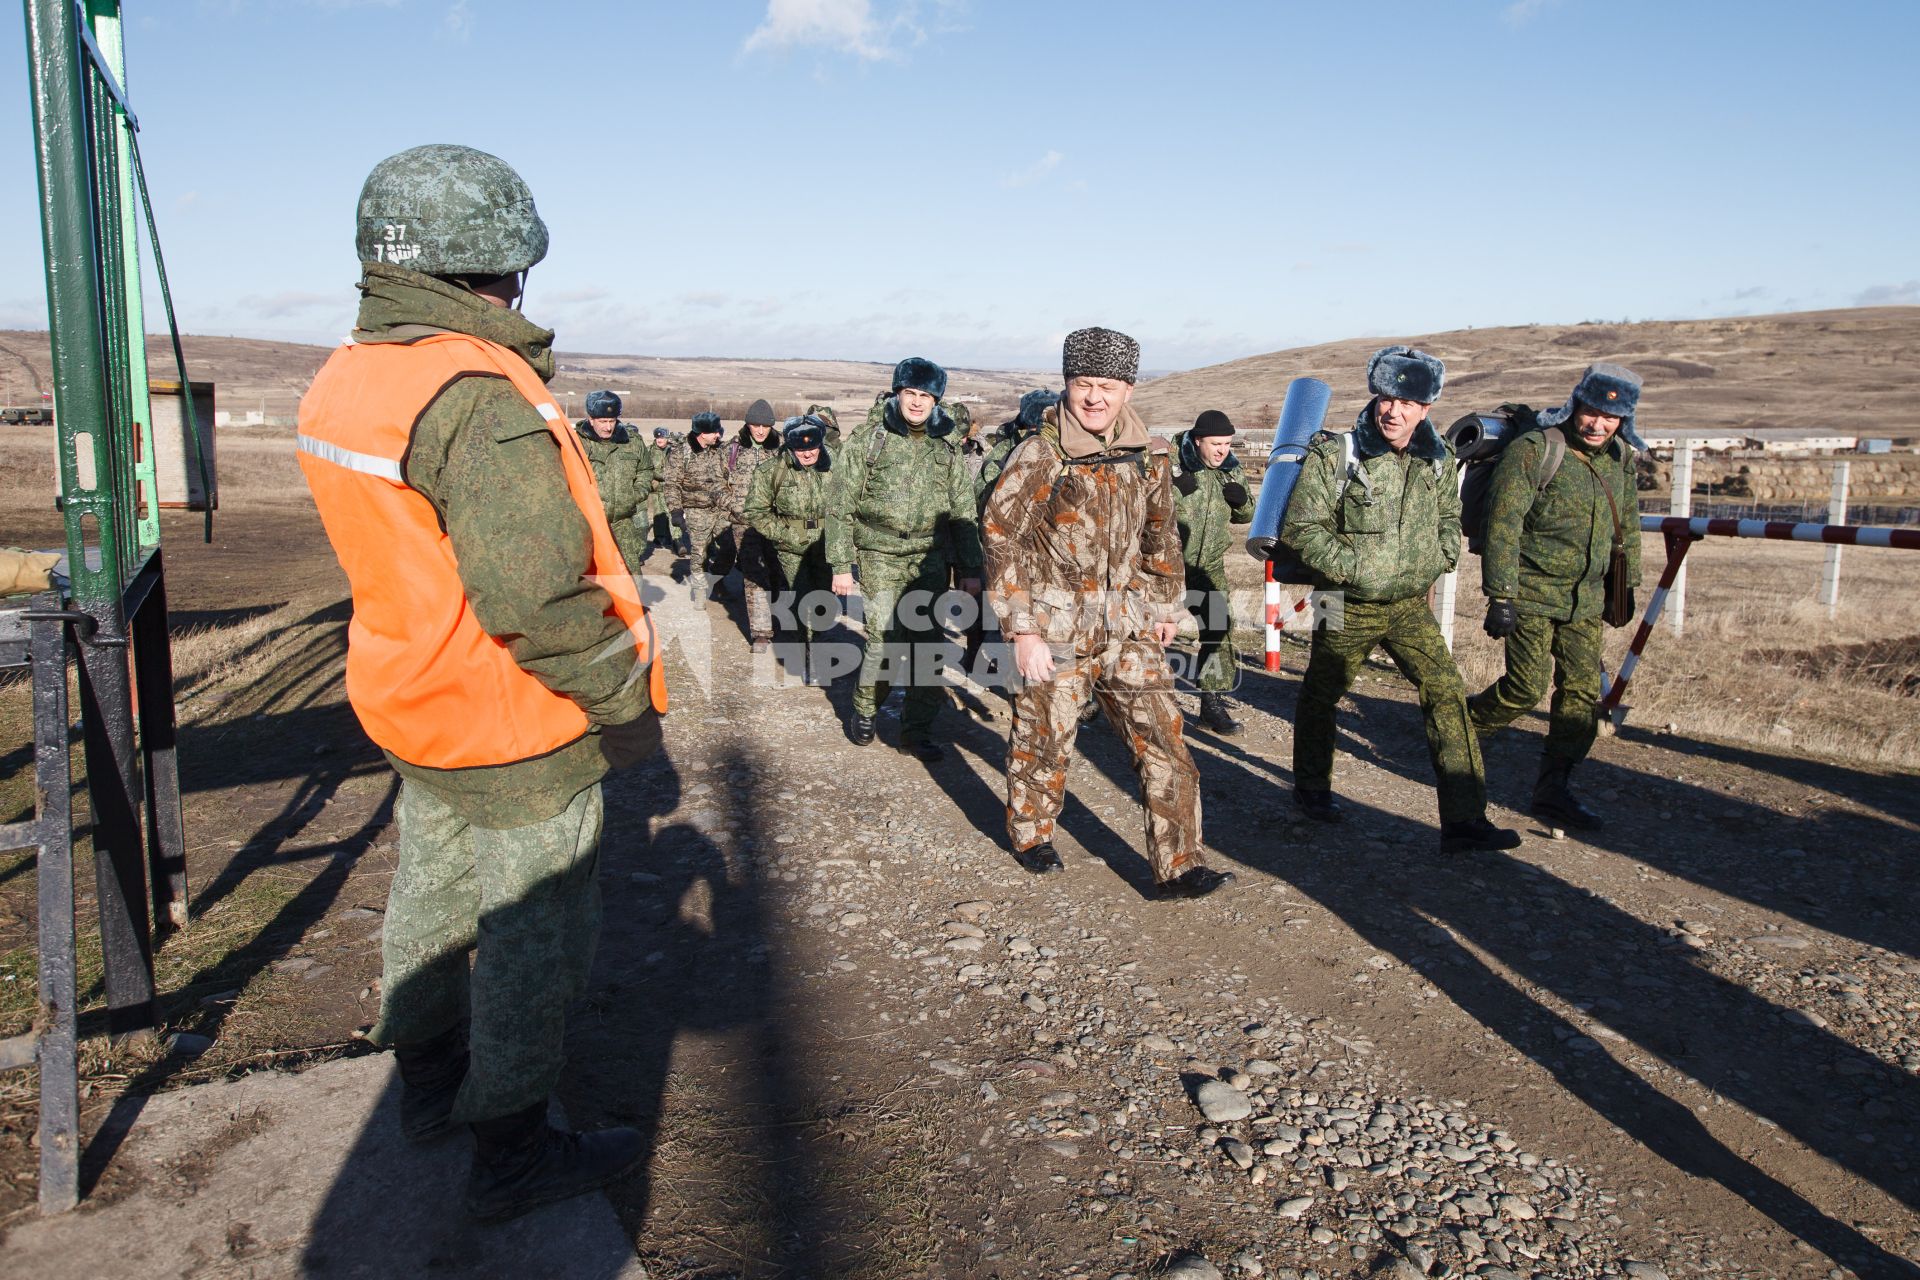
(743, 460)
(1204, 515)
(788, 503)
(1548, 551)
(897, 493)
(622, 473)
(695, 479)
(1083, 550)
(487, 463)
(1391, 530)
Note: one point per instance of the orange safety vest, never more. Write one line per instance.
(427, 681)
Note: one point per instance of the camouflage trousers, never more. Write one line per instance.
(524, 903)
(1216, 667)
(706, 549)
(753, 556)
(905, 642)
(1539, 649)
(803, 574)
(1407, 631)
(1130, 681)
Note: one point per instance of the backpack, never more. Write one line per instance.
(1480, 440)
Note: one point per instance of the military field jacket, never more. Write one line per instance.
(696, 479)
(788, 503)
(897, 493)
(1547, 551)
(743, 460)
(621, 472)
(1204, 515)
(1391, 530)
(1083, 551)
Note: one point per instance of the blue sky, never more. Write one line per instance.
(969, 179)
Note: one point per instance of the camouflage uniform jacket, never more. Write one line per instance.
(743, 460)
(1391, 530)
(1084, 551)
(788, 503)
(487, 463)
(900, 493)
(1204, 515)
(1548, 551)
(622, 474)
(696, 478)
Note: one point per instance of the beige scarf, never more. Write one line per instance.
(1076, 441)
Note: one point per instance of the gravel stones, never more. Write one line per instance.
(1221, 1103)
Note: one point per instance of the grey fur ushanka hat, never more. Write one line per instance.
(1606, 388)
(1401, 372)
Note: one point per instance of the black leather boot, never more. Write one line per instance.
(1554, 802)
(1213, 714)
(1194, 882)
(859, 729)
(1041, 859)
(520, 1163)
(431, 1073)
(1318, 805)
(1476, 835)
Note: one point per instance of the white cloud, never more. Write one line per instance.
(1889, 295)
(845, 25)
(1034, 172)
(1521, 12)
(457, 22)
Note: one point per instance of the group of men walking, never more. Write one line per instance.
(501, 656)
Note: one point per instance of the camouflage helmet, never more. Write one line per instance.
(960, 414)
(603, 404)
(448, 211)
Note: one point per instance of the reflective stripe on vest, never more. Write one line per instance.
(426, 680)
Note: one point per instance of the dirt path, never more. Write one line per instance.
(865, 1043)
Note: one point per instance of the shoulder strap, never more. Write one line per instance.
(1555, 455)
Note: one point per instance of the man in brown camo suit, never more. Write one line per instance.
(1084, 571)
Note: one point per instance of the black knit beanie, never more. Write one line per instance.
(1211, 422)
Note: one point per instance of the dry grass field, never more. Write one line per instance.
(1822, 370)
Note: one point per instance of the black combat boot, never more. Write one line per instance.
(521, 1163)
(430, 1076)
(1213, 714)
(1554, 802)
(1194, 882)
(1318, 804)
(923, 749)
(1473, 835)
(859, 729)
(1041, 859)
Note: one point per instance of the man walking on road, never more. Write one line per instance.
(623, 470)
(903, 513)
(757, 444)
(1209, 497)
(695, 485)
(498, 655)
(1375, 517)
(1545, 572)
(1084, 571)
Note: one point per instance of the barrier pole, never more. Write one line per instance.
(1836, 514)
(1273, 620)
(1681, 504)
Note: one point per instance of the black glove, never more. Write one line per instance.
(1235, 493)
(1186, 481)
(662, 530)
(1502, 619)
(625, 745)
(1519, 415)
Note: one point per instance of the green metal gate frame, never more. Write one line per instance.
(115, 617)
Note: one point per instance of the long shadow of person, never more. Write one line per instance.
(1844, 867)
(1587, 951)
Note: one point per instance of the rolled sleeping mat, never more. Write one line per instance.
(1479, 435)
(1301, 417)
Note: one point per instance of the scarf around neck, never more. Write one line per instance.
(1076, 441)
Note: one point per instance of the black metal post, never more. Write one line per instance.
(153, 687)
(53, 781)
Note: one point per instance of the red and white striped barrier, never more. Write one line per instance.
(1273, 620)
(1681, 532)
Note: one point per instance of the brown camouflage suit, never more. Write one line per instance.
(1085, 553)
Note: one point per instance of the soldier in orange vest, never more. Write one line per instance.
(499, 655)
